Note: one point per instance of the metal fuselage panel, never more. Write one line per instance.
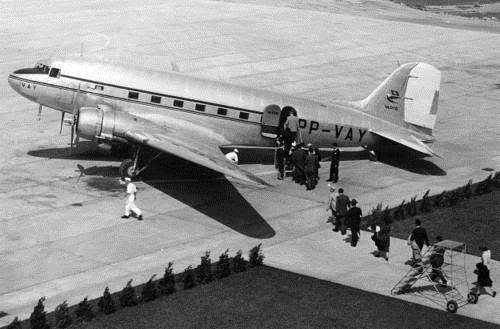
(86, 83)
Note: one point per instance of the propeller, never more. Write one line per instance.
(74, 121)
(62, 121)
(39, 116)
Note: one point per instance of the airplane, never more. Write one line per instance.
(192, 117)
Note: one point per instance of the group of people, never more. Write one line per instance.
(418, 239)
(304, 160)
(345, 214)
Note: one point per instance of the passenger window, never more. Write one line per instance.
(178, 103)
(133, 95)
(200, 107)
(99, 87)
(221, 111)
(156, 99)
(244, 115)
(54, 72)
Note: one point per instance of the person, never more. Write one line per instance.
(384, 237)
(233, 156)
(280, 159)
(417, 239)
(341, 205)
(292, 125)
(310, 168)
(318, 165)
(131, 197)
(334, 165)
(354, 221)
(298, 159)
(484, 281)
(331, 203)
(436, 260)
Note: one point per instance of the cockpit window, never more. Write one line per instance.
(35, 70)
(43, 67)
(54, 72)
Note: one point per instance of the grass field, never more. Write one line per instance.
(475, 221)
(269, 298)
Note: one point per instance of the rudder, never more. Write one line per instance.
(408, 97)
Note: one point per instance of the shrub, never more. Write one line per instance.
(38, 319)
(84, 311)
(255, 256)
(440, 200)
(62, 315)
(106, 304)
(128, 297)
(412, 206)
(386, 215)
(167, 283)
(239, 263)
(399, 214)
(188, 278)
(454, 197)
(15, 324)
(149, 291)
(376, 215)
(426, 204)
(467, 190)
(204, 270)
(223, 268)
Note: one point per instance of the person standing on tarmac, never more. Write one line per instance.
(298, 159)
(310, 168)
(280, 159)
(131, 197)
(354, 221)
(334, 165)
(341, 205)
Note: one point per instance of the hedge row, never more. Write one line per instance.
(204, 273)
(379, 214)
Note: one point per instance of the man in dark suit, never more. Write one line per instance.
(334, 166)
(354, 221)
(341, 206)
(298, 160)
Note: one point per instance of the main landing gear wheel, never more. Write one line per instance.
(452, 306)
(127, 168)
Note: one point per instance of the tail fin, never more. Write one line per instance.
(408, 97)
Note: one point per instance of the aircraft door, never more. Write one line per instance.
(270, 121)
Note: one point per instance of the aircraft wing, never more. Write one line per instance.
(189, 142)
(407, 140)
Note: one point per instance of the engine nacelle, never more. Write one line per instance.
(99, 123)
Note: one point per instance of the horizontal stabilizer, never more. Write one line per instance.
(407, 140)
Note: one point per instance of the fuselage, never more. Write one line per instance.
(232, 111)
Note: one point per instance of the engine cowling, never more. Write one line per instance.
(97, 123)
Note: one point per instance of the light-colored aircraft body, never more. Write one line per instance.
(192, 118)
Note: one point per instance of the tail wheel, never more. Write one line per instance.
(452, 306)
(127, 168)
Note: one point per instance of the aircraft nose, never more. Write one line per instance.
(14, 81)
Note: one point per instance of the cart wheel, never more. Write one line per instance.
(472, 298)
(452, 306)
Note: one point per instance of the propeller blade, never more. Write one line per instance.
(39, 112)
(62, 121)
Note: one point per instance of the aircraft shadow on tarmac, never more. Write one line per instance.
(200, 188)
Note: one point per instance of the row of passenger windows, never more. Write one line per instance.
(180, 104)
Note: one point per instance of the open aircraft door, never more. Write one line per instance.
(270, 121)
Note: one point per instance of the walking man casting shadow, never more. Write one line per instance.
(131, 197)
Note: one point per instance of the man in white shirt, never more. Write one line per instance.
(131, 196)
(233, 156)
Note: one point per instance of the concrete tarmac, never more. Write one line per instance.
(61, 234)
